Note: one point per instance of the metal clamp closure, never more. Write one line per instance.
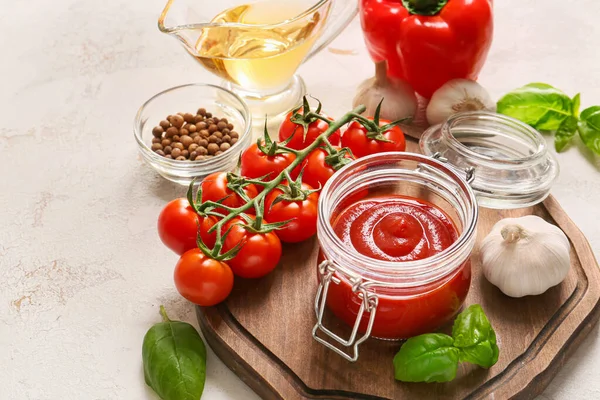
(327, 274)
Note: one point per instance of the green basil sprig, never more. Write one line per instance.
(434, 357)
(589, 128)
(427, 358)
(537, 104)
(174, 358)
(475, 338)
(549, 109)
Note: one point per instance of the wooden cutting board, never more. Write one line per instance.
(263, 331)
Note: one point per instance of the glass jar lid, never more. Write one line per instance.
(509, 160)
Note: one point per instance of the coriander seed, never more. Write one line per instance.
(157, 131)
(172, 131)
(176, 152)
(186, 141)
(212, 148)
(177, 121)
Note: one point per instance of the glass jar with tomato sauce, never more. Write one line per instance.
(396, 230)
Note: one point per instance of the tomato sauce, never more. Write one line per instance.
(399, 228)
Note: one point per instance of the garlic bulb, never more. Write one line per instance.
(525, 256)
(400, 99)
(456, 96)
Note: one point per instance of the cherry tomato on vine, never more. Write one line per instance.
(178, 226)
(259, 254)
(362, 142)
(201, 279)
(302, 213)
(214, 188)
(300, 141)
(255, 163)
(316, 170)
(205, 224)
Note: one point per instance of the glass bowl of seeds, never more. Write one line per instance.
(188, 132)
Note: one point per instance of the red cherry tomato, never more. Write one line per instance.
(206, 223)
(259, 254)
(178, 226)
(316, 170)
(303, 215)
(299, 141)
(356, 139)
(255, 163)
(214, 188)
(201, 279)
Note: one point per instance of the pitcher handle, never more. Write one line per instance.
(342, 12)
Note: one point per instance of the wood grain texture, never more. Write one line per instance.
(263, 331)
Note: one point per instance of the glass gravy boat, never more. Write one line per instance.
(257, 46)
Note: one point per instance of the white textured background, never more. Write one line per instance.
(82, 270)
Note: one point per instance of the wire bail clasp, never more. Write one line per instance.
(327, 271)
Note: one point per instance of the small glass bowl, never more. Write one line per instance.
(189, 98)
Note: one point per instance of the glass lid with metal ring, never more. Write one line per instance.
(510, 160)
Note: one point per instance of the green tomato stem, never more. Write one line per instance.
(258, 201)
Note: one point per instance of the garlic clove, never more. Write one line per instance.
(525, 256)
(399, 97)
(458, 95)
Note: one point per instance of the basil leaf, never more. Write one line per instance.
(589, 128)
(475, 338)
(174, 359)
(566, 131)
(426, 358)
(575, 106)
(537, 104)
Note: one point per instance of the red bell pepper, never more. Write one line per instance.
(428, 42)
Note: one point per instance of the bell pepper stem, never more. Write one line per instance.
(424, 7)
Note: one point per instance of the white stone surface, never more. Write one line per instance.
(82, 269)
